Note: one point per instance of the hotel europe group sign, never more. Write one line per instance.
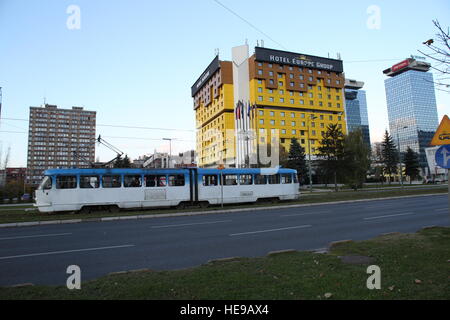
(297, 59)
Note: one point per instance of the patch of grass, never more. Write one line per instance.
(12, 214)
(403, 259)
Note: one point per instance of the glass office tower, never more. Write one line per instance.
(356, 109)
(411, 103)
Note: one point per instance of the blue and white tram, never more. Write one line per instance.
(115, 189)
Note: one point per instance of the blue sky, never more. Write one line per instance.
(135, 61)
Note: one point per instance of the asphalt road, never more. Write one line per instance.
(41, 255)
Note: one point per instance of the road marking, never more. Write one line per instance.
(270, 230)
(37, 236)
(391, 215)
(441, 209)
(190, 224)
(65, 251)
(304, 214)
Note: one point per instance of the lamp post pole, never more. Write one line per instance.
(312, 117)
(170, 149)
(399, 157)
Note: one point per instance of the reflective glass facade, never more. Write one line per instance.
(356, 111)
(412, 110)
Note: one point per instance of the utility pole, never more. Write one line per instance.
(399, 157)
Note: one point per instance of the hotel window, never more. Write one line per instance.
(271, 99)
(329, 104)
(291, 93)
(329, 81)
(260, 72)
(313, 132)
(259, 64)
(261, 112)
(321, 117)
(281, 99)
(260, 89)
(283, 122)
(270, 73)
(311, 103)
(337, 97)
(309, 71)
(270, 65)
(310, 87)
(260, 98)
(322, 125)
(280, 83)
(319, 88)
(300, 69)
(290, 68)
(270, 91)
(282, 114)
(281, 91)
(271, 81)
(311, 95)
(330, 117)
(319, 72)
(272, 113)
(294, 131)
(339, 118)
(262, 131)
(338, 82)
(302, 115)
(329, 96)
(338, 105)
(310, 78)
(292, 115)
(261, 121)
(291, 75)
(301, 77)
(320, 96)
(280, 76)
(293, 123)
(272, 122)
(313, 124)
(283, 131)
(340, 126)
(320, 104)
(291, 84)
(300, 94)
(302, 132)
(302, 101)
(259, 81)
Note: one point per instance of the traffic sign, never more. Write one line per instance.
(443, 157)
(442, 135)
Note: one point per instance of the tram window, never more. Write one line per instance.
(155, 181)
(274, 179)
(46, 183)
(66, 182)
(210, 180)
(230, 179)
(176, 180)
(245, 179)
(111, 182)
(87, 182)
(132, 181)
(260, 179)
(286, 178)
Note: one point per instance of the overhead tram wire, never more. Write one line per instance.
(249, 23)
(116, 126)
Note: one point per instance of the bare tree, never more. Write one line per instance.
(439, 53)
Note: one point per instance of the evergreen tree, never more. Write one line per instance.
(297, 160)
(389, 155)
(356, 159)
(122, 163)
(331, 151)
(412, 165)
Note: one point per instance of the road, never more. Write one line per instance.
(41, 255)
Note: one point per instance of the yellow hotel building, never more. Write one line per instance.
(292, 94)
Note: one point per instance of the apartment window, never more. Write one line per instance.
(302, 115)
(283, 122)
(292, 101)
(283, 131)
(302, 101)
(260, 89)
(261, 112)
(260, 98)
(281, 91)
(261, 121)
(272, 122)
(272, 113)
(282, 114)
(292, 115)
(293, 123)
(294, 131)
(281, 99)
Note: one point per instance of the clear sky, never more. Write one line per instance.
(134, 61)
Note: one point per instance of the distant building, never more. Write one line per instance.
(15, 174)
(411, 103)
(59, 138)
(356, 108)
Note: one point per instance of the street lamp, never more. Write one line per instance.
(170, 149)
(399, 157)
(312, 117)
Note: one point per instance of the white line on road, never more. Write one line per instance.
(66, 251)
(37, 236)
(441, 209)
(304, 214)
(190, 224)
(391, 215)
(270, 230)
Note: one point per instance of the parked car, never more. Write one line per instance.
(26, 197)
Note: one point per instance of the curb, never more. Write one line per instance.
(195, 213)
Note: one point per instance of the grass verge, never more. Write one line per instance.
(14, 214)
(413, 266)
